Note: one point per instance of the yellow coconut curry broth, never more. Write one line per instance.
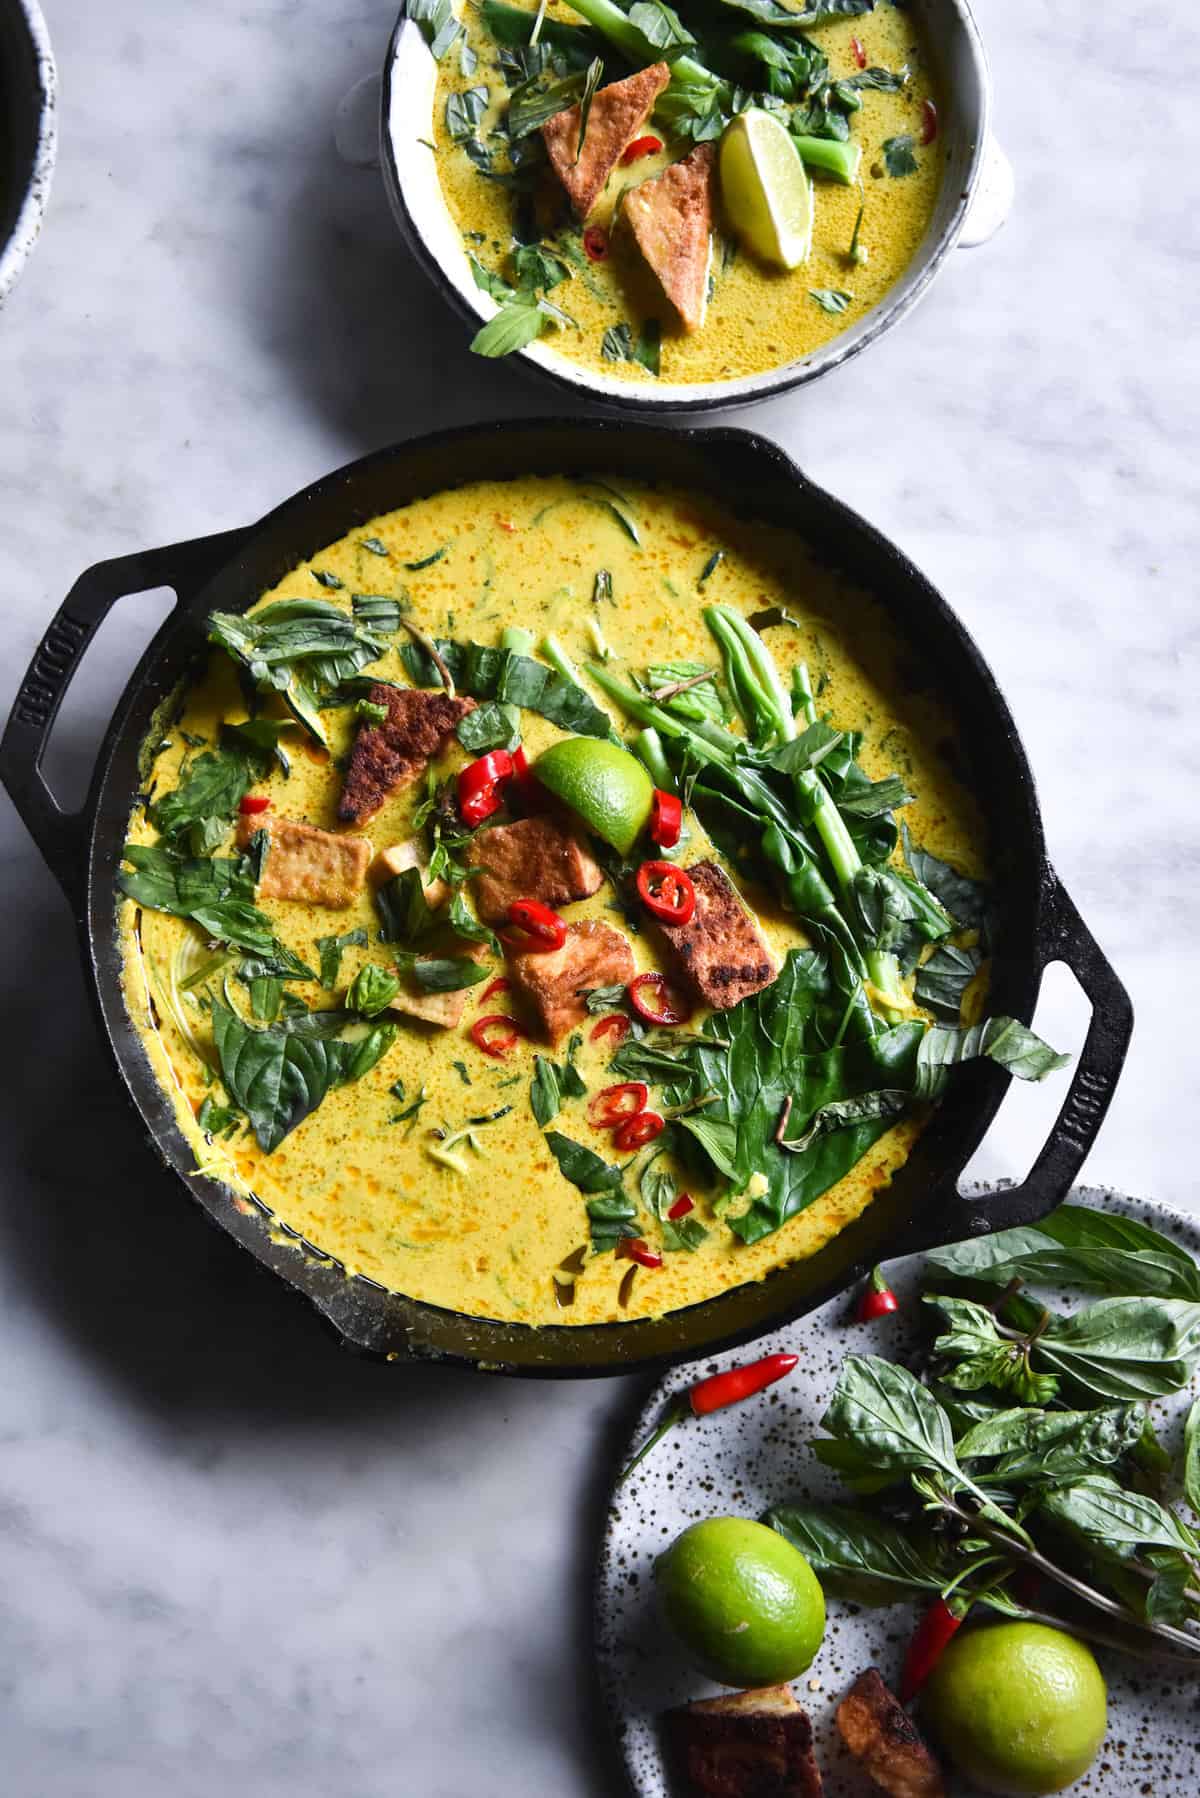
(866, 230)
(504, 1234)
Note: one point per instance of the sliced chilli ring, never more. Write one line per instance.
(534, 929)
(615, 1104)
(667, 892)
(496, 1034)
(638, 1130)
(655, 999)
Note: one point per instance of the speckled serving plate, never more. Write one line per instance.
(743, 1460)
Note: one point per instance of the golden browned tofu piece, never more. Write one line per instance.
(535, 858)
(306, 863)
(748, 1745)
(397, 859)
(443, 1009)
(719, 951)
(594, 954)
(388, 757)
(671, 219)
(883, 1738)
(618, 113)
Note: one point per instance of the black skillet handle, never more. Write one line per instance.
(59, 834)
(1062, 936)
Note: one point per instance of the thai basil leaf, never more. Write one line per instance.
(1080, 1248)
(860, 1557)
(516, 324)
(442, 974)
(464, 112)
(660, 25)
(404, 912)
(619, 345)
(1191, 1459)
(279, 1075)
(591, 82)
(212, 789)
(539, 269)
(1125, 1348)
(966, 900)
(977, 1355)
(489, 726)
(439, 27)
(463, 922)
(1052, 1447)
(843, 1114)
(1004, 1040)
(541, 99)
(874, 797)
(898, 155)
(218, 1120)
(660, 1191)
(545, 1098)
(1123, 1522)
(487, 673)
(884, 81)
(295, 646)
(881, 1408)
(330, 948)
(258, 739)
(944, 978)
(215, 893)
(582, 1166)
(790, 18)
(372, 989)
(611, 1217)
(831, 299)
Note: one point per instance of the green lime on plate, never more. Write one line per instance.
(603, 783)
(1021, 1709)
(766, 189)
(744, 1603)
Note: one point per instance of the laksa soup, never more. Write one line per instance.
(517, 904)
(695, 194)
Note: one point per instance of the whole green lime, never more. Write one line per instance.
(603, 783)
(1021, 1709)
(744, 1603)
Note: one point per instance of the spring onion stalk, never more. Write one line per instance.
(513, 637)
(559, 660)
(832, 157)
(648, 745)
(633, 44)
(752, 676)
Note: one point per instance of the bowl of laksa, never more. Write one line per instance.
(561, 920)
(682, 207)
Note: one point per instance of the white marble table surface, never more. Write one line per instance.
(232, 1560)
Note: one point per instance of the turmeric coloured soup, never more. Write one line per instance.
(693, 195)
(516, 906)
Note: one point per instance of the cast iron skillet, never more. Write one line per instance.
(1040, 924)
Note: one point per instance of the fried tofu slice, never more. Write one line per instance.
(882, 1737)
(746, 1745)
(552, 986)
(306, 863)
(398, 858)
(388, 757)
(671, 220)
(444, 1009)
(535, 858)
(719, 951)
(617, 114)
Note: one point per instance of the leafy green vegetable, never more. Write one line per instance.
(1125, 1348)
(489, 726)
(1191, 1459)
(831, 299)
(880, 1407)
(439, 27)
(554, 1081)
(464, 111)
(860, 1556)
(1052, 1447)
(444, 973)
(582, 1166)
(1004, 1040)
(944, 978)
(898, 155)
(660, 1191)
(1125, 1521)
(370, 713)
(330, 948)
(372, 989)
(404, 912)
(619, 345)
(516, 324)
(1077, 1247)
(512, 679)
(217, 894)
(218, 1120)
(297, 648)
(212, 788)
(591, 82)
(611, 1217)
(279, 1075)
(541, 98)
(845, 1114)
(964, 899)
(539, 268)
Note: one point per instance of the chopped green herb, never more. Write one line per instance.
(831, 299)
(898, 155)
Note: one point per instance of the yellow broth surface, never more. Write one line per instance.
(352, 1180)
(758, 317)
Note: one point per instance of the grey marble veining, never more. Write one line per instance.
(230, 1558)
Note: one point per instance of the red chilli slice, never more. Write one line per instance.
(666, 892)
(666, 819)
(493, 987)
(858, 52)
(533, 928)
(615, 1026)
(929, 123)
(641, 146)
(637, 1131)
(595, 243)
(496, 1034)
(253, 803)
(655, 999)
(615, 1104)
(683, 1204)
(635, 1248)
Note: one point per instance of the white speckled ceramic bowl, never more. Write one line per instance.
(743, 1460)
(28, 133)
(975, 196)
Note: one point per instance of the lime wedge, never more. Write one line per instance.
(604, 784)
(767, 193)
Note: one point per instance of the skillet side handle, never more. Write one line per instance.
(185, 567)
(1062, 936)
